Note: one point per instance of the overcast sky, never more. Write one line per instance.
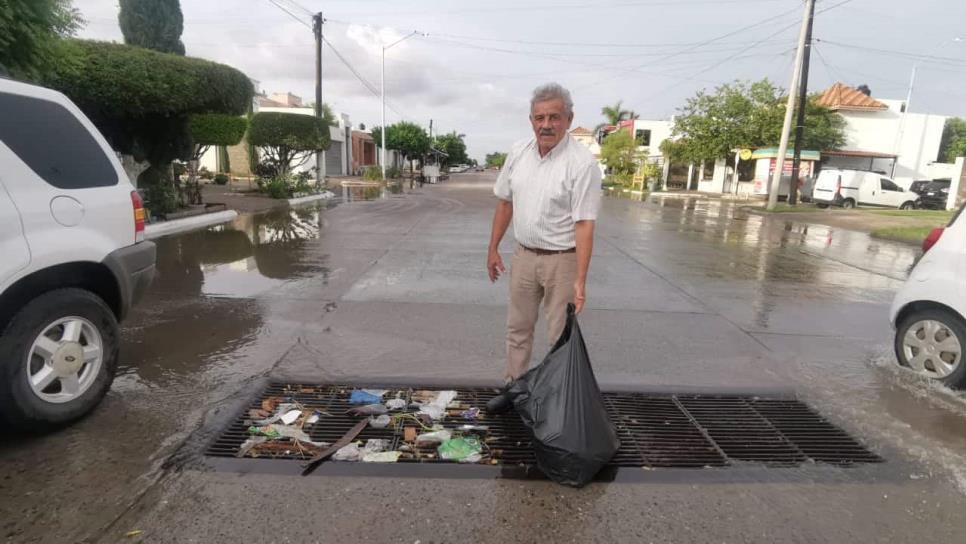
(475, 70)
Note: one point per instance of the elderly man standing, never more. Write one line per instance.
(550, 188)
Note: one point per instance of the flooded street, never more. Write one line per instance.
(684, 293)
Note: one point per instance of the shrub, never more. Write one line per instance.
(204, 173)
(393, 172)
(266, 170)
(278, 188)
(373, 173)
(221, 179)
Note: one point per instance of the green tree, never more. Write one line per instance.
(743, 114)
(953, 142)
(288, 140)
(141, 99)
(152, 24)
(620, 155)
(206, 130)
(409, 139)
(29, 32)
(455, 148)
(495, 159)
(614, 115)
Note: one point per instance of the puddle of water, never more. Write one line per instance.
(362, 193)
(250, 255)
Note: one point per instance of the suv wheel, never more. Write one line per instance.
(930, 343)
(59, 354)
(848, 204)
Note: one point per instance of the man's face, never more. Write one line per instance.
(550, 122)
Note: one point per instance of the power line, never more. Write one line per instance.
(365, 82)
(828, 67)
(580, 6)
(932, 58)
(292, 15)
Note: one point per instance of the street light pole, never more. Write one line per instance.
(382, 86)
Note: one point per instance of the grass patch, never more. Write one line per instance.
(909, 235)
(785, 208)
(939, 215)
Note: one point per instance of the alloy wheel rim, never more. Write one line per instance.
(64, 360)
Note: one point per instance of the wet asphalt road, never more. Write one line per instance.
(683, 293)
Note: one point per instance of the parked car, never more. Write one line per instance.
(928, 311)
(918, 185)
(851, 188)
(935, 194)
(74, 258)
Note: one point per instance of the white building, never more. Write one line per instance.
(881, 136)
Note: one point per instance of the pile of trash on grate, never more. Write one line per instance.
(281, 428)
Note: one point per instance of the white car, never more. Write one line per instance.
(929, 311)
(74, 258)
(851, 188)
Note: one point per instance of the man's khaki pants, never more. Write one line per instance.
(535, 277)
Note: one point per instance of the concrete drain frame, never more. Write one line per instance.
(728, 437)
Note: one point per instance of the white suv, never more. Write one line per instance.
(73, 258)
(928, 312)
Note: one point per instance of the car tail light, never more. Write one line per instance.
(138, 206)
(932, 239)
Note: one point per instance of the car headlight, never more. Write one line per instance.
(944, 191)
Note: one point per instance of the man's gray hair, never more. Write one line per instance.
(553, 91)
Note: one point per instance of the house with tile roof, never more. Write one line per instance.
(881, 136)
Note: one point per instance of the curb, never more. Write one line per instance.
(324, 195)
(158, 230)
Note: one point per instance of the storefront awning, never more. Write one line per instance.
(772, 152)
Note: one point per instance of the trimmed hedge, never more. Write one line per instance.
(116, 80)
(217, 129)
(295, 131)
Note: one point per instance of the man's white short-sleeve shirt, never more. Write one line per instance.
(550, 193)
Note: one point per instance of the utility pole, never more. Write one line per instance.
(317, 22)
(776, 178)
(802, 102)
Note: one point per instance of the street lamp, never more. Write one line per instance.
(383, 89)
(912, 83)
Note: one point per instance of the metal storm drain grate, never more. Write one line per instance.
(669, 431)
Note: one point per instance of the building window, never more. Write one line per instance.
(643, 137)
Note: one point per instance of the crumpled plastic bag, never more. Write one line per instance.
(348, 453)
(560, 402)
(460, 449)
(434, 438)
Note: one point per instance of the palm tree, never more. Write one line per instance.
(614, 115)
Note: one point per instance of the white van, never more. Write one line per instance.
(851, 188)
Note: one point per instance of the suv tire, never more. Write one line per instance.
(92, 340)
(848, 204)
(929, 328)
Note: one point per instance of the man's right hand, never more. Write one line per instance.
(494, 265)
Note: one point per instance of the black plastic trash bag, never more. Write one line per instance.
(560, 402)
